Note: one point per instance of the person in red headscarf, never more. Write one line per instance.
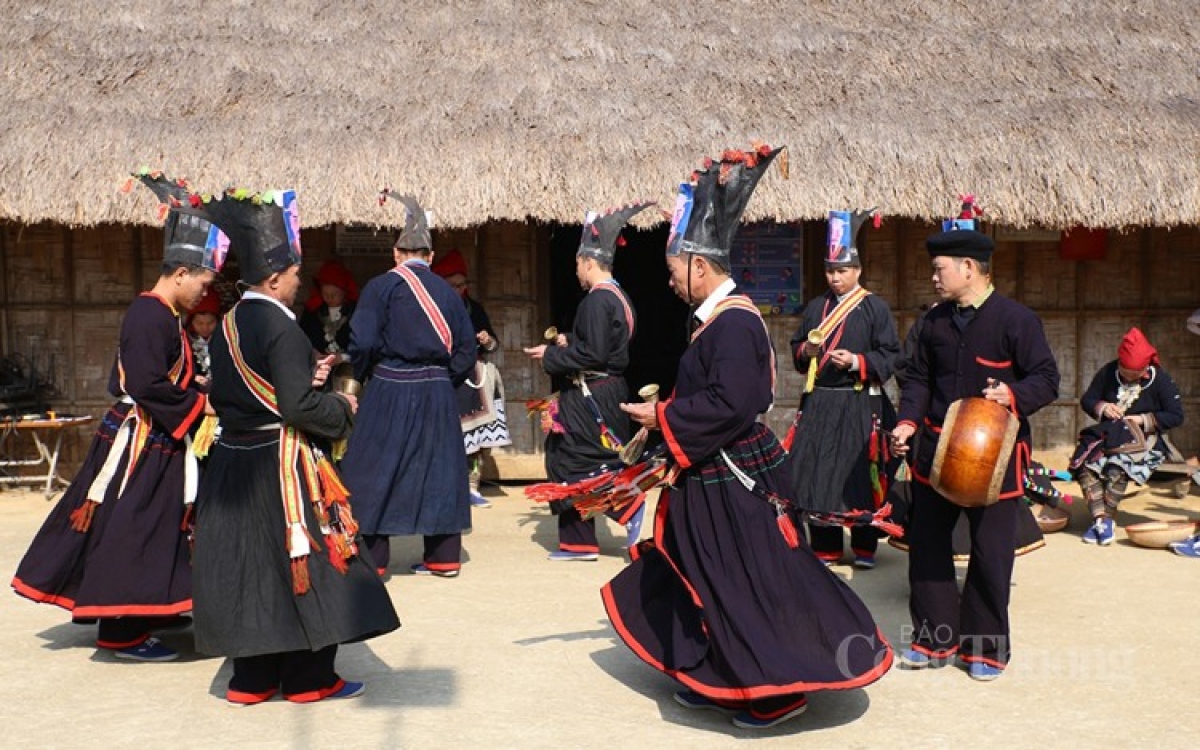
(327, 312)
(1135, 403)
(481, 398)
(202, 322)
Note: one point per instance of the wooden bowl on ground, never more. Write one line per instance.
(1050, 520)
(1158, 534)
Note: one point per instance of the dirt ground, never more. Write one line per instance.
(517, 653)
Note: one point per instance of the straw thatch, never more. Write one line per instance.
(1057, 113)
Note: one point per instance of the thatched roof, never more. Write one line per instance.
(1055, 113)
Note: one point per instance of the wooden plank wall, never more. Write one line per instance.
(65, 291)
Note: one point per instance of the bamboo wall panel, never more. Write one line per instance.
(1114, 283)
(97, 335)
(1047, 282)
(101, 267)
(35, 264)
(1173, 269)
(43, 336)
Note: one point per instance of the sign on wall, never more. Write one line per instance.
(766, 266)
(356, 240)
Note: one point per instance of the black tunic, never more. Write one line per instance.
(598, 347)
(244, 600)
(838, 428)
(133, 559)
(718, 600)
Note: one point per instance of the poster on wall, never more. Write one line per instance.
(766, 266)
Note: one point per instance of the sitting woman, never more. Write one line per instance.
(1135, 402)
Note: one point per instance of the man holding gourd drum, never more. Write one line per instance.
(981, 344)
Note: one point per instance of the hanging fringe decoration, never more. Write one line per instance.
(81, 517)
(300, 580)
(786, 527)
(332, 488)
(206, 433)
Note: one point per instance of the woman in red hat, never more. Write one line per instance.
(328, 309)
(202, 322)
(1135, 402)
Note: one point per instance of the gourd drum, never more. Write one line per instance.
(972, 452)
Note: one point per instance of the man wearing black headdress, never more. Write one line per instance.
(115, 547)
(589, 429)
(405, 463)
(279, 580)
(847, 343)
(726, 598)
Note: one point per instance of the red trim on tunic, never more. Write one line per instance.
(196, 413)
(681, 458)
(30, 592)
(862, 368)
(578, 547)
(122, 644)
(944, 653)
(133, 610)
(748, 692)
(998, 365)
(971, 659)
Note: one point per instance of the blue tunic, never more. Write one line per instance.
(405, 465)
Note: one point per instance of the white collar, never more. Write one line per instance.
(704, 311)
(251, 294)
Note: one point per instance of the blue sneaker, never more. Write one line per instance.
(1104, 531)
(751, 719)
(1092, 535)
(914, 659)
(1187, 548)
(479, 501)
(983, 672)
(864, 562)
(150, 649)
(562, 555)
(690, 699)
(349, 690)
(633, 529)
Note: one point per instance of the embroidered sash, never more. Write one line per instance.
(615, 288)
(428, 306)
(832, 322)
(300, 461)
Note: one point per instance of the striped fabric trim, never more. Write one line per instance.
(615, 288)
(428, 306)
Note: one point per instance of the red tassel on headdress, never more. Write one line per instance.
(877, 220)
(161, 211)
(127, 186)
(788, 529)
(81, 517)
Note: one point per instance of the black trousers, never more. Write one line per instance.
(301, 675)
(975, 623)
(578, 535)
(826, 541)
(123, 632)
(441, 550)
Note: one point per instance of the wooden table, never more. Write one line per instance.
(47, 437)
